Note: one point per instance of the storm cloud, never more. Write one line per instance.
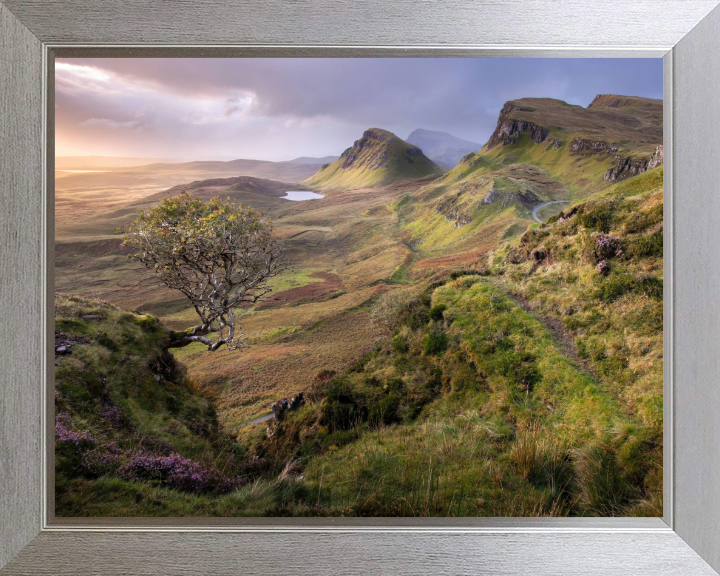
(279, 109)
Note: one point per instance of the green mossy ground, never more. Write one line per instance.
(121, 386)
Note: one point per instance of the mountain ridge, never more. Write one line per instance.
(629, 123)
(313, 159)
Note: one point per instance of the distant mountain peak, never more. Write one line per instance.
(379, 157)
(441, 147)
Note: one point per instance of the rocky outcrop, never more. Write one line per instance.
(540, 253)
(628, 167)
(281, 406)
(526, 197)
(371, 139)
(452, 213)
(490, 196)
(65, 343)
(656, 159)
(460, 218)
(378, 140)
(584, 145)
(508, 130)
(279, 409)
(467, 157)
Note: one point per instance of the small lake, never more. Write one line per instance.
(299, 196)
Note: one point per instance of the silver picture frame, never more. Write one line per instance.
(685, 33)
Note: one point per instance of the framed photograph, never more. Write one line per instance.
(359, 290)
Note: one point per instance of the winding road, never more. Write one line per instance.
(535, 210)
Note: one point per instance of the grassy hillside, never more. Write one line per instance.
(377, 159)
(542, 150)
(530, 386)
(596, 268)
(128, 417)
(457, 357)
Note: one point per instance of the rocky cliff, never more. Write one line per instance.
(509, 129)
(610, 124)
(632, 166)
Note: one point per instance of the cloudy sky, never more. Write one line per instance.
(278, 109)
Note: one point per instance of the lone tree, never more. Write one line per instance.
(220, 255)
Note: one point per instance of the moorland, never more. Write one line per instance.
(456, 354)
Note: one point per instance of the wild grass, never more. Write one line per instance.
(614, 321)
(119, 389)
(515, 387)
(496, 422)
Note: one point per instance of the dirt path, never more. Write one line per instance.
(562, 334)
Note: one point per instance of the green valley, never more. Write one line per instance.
(448, 354)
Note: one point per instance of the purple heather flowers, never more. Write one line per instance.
(66, 434)
(603, 267)
(139, 465)
(607, 246)
(177, 472)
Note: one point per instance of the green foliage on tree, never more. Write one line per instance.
(219, 254)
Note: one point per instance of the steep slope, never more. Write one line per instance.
(621, 136)
(127, 416)
(542, 150)
(528, 384)
(377, 159)
(604, 259)
(442, 148)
